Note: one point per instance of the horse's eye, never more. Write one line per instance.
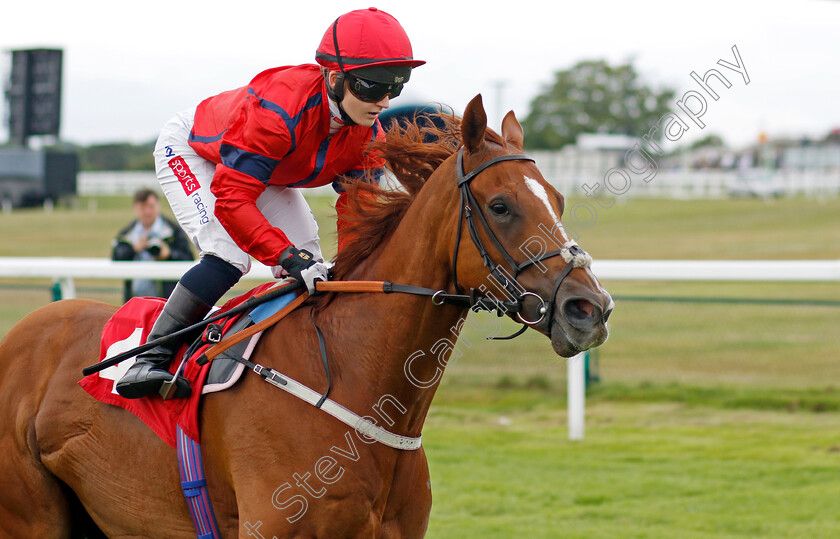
(499, 209)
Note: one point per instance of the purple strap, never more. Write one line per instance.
(194, 486)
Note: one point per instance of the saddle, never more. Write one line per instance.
(229, 342)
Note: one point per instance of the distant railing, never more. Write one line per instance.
(704, 184)
(680, 184)
(107, 183)
(569, 171)
(65, 270)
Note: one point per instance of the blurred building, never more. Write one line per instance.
(770, 167)
(33, 95)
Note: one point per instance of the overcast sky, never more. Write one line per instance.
(130, 66)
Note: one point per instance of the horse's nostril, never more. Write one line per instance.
(607, 315)
(586, 307)
(579, 309)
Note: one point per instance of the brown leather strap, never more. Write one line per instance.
(246, 333)
(350, 286)
(322, 286)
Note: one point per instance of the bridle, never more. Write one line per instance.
(469, 207)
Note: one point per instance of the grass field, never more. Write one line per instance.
(713, 417)
(644, 470)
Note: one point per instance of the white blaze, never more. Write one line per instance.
(540, 193)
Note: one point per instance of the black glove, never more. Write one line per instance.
(301, 265)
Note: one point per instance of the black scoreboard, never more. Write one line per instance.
(34, 94)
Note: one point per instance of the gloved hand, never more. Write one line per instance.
(301, 265)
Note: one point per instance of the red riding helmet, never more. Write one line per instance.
(366, 38)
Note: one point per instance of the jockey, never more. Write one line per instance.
(231, 169)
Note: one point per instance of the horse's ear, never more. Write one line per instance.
(474, 124)
(512, 131)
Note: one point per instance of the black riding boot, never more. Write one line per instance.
(149, 372)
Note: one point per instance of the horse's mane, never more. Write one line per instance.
(412, 150)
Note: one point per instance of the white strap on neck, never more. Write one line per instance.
(363, 427)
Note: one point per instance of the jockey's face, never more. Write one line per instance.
(361, 112)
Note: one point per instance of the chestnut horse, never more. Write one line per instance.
(277, 466)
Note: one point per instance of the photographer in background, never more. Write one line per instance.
(150, 237)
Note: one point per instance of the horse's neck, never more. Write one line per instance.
(405, 352)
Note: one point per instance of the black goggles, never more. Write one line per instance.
(372, 92)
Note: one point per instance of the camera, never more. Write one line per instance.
(154, 247)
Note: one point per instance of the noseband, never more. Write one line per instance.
(571, 252)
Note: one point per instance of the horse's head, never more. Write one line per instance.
(511, 244)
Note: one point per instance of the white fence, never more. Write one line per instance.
(110, 183)
(681, 184)
(704, 184)
(65, 270)
(569, 170)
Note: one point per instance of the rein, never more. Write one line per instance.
(439, 297)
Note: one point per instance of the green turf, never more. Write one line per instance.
(713, 417)
(643, 470)
(715, 229)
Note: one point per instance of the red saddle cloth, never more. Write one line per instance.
(129, 328)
